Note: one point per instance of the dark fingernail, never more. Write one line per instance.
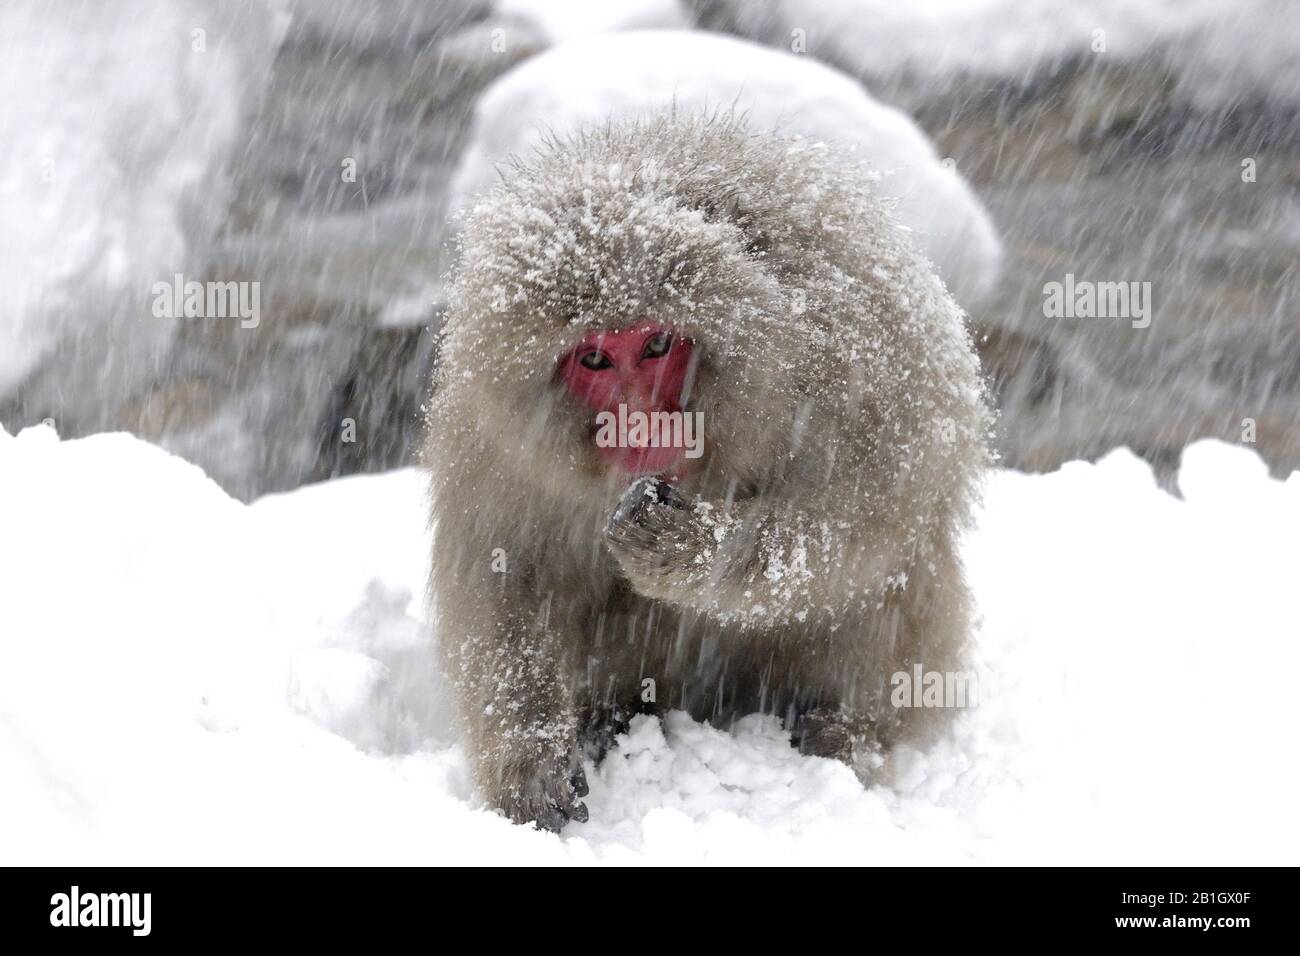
(666, 494)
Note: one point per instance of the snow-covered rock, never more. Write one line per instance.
(187, 679)
(591, 79)
(1217, 52)
(117, 117)
(579, 18)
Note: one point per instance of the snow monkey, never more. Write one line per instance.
(806, 550)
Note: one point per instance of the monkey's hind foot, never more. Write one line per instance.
(848, 738)
(603, 723)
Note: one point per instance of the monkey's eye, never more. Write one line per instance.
(596, 361)
(658, 346)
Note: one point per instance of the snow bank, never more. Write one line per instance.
(1217, 51)
(187, 679)
(117, 126)
(589, 80)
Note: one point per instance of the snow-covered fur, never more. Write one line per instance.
(809, 558)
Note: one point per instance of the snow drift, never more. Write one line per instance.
(628, 74)
(187, 679)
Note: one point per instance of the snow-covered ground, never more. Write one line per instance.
(188, 679)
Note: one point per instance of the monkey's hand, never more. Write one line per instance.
(748, 563)
(659, 539)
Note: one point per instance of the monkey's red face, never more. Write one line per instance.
(644, 369)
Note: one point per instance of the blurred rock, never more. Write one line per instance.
(1109, 187)
(375, 421)
(345, 262)
(123, 119)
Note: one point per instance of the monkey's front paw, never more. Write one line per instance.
(653, 530)
(548, 798)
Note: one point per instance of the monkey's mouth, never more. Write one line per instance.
(633, 459)
(636, 454)
(637, 462)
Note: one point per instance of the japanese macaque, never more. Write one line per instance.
(803, 553)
